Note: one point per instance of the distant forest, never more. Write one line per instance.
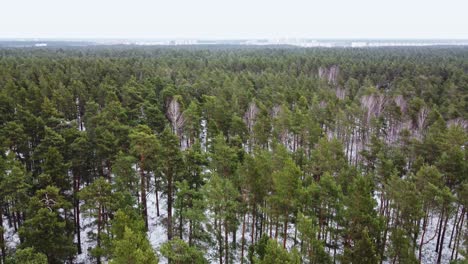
(233, 154)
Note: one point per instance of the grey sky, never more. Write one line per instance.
(218, 19)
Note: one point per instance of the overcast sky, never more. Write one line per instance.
(219, 19)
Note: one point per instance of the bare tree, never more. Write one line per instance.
(373, 104)
(421, 122)
(458, 122)
(330, 74)
(340, 93)
(176, 116)
(401, 103)
(250, 117)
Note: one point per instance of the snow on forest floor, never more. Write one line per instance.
(428, 253)
(157, 236)
(430, 239)
(86, 244)
(11, 237)
(156, 229)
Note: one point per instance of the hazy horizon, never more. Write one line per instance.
(243, 19)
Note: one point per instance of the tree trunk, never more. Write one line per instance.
(181, 225)
(421, 243)
(386, 213)
(2, 238)
(169, 203)
(261, 224)
(252, 231)
(276, 229)
(157, 198)
(226, 242)
(143, 193)
(455, 224)
(243, 239)
(77, 211)
(15, 226)
(234, 238)
(99, 232)
(441, 246)
(285, 237)
(439, 229)
(271, 226)
(190, 233)
(220, 240)
(458, 234)
(295, 234)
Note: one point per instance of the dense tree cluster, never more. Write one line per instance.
(240, 155)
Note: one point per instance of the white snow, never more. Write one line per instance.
(11, 237)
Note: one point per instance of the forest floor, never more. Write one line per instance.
(157, 236)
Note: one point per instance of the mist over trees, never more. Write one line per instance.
(230, 154)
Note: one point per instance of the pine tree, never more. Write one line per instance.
(275, 253)
(170, 168)
(27, 256)
(128, 243)
(144, 146)
(133, 248)
(221, 199)
(189, 209)
(98, 201)
(311, 248)
(284, 198)
(47, 233)
(363, 251)
(362, 224)
(179, 252)
(401, 250)
(47, 229)
(15, 185)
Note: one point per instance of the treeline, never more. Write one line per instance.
(250, 155)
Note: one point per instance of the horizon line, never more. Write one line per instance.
(229, 38)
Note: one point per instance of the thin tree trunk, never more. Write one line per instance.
(226, 242)
(439, 229)
(335, 243)
(76, 189)
(243, 239)
(417, 228)
(190, 232)
(276, 228)
(455, 223)
(261, 225)
(252, 232)
(143, 192)
(234, 238)
(285, 232)
(256, 226)
(169, 204)
(99, 232)
(458, 235)
(181, 224)
(271, 226)
(384, 242)
(220, 240)
(2, 238)
(441, 248)
(295, 234)
(14, 221)
(156, 188)
(421, 243)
